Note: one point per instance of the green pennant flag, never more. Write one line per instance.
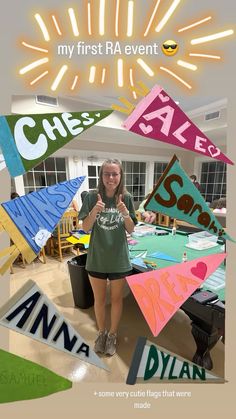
(175, 195)
(21, 379)
(27, 140)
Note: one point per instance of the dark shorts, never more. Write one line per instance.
(111, 276)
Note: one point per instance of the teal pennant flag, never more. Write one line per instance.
(175, 195)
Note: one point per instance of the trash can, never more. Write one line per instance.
(81, 288)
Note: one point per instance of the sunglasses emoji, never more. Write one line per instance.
(169, 47)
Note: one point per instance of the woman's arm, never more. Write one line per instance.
(89, 221)
(129, 224)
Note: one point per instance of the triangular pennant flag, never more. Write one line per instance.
(163, 256)
(155, 364)
(30, 219)
(85, 239)
(158, 117)
(31, 313)
(139, 262)
(25, 380)
(160, 293)
(27, 140)
(175, 195)
(74, 240)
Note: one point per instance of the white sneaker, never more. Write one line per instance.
(110, 347)
(100, 342)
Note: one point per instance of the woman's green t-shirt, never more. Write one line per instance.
(108, 249)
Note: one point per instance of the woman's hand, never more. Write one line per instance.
(121, 207)
(99, 206)
(128, 222)
(91, 218)
(149, 217)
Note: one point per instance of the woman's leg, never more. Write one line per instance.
(117, 287)
(99, 287)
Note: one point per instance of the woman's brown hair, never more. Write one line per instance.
(120, 190)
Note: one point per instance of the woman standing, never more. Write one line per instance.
(109, 213)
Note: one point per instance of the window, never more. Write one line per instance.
(159, 168)
(47, 173)
(135, 178)
(213, 180)
(93, 176)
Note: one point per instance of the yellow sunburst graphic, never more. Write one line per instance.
(115, 20)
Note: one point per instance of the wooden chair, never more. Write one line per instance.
(163, 220)
(20, 260)
(138, 215)
(68, 222)
(42, 255)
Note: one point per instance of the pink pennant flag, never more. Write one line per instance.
(158, 117)
(160, 293)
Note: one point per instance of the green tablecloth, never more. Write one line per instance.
(173, 246)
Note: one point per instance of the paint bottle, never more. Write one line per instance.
(173, 231)
(184, 258)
